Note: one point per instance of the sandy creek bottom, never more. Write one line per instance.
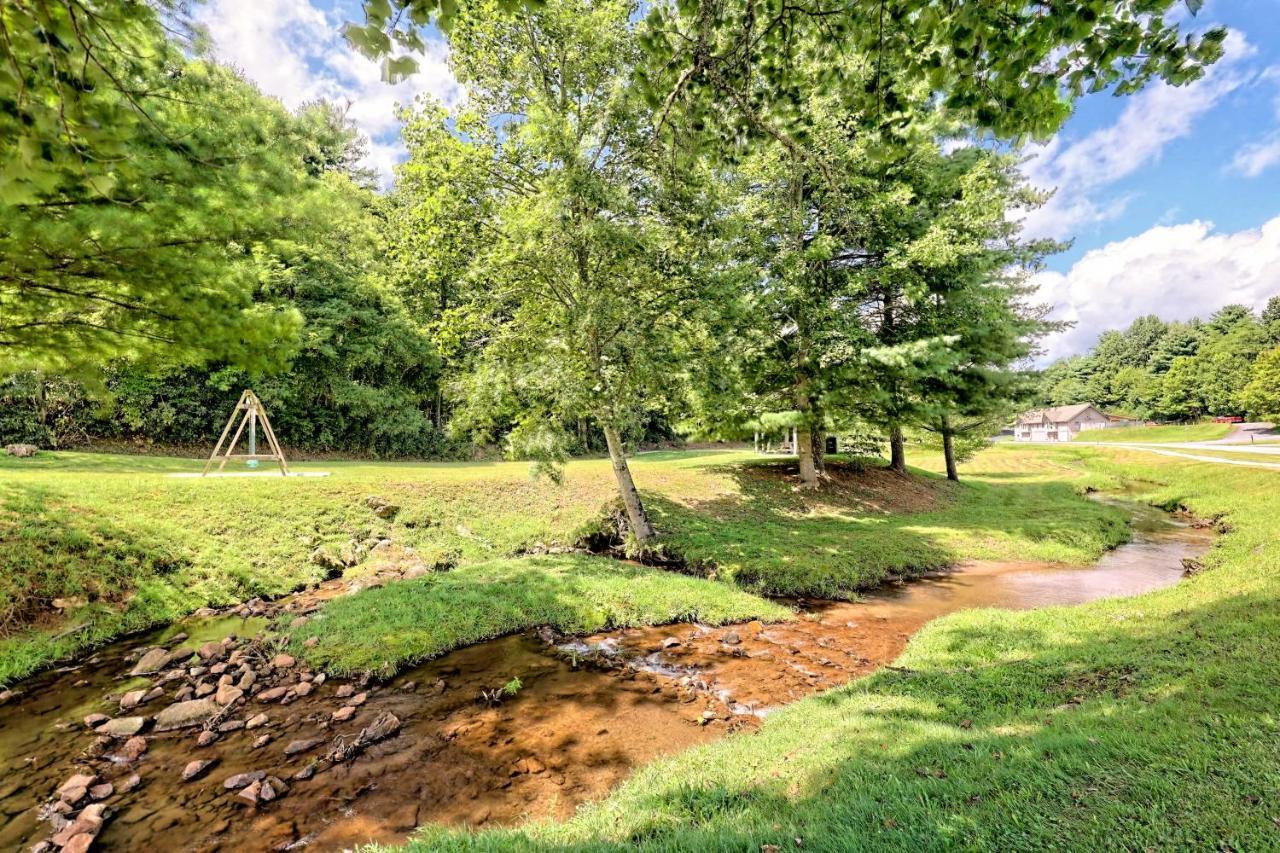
(590, 711)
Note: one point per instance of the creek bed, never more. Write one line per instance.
(588, 711)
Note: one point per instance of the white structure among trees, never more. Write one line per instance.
(1061, 423)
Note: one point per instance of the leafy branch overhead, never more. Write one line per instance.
(1013, 69)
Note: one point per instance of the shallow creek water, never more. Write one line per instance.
(590, 711)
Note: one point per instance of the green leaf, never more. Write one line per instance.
(377, 12)
(398, 68)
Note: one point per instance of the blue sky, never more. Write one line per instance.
(1171, 196)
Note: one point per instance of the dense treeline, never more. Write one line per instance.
(207, 240)
(1226, 365)
(705, 220)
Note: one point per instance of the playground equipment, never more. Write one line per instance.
(251, 412)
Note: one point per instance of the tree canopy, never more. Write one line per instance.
(1011, 69)
(138, 185)
(711, 217)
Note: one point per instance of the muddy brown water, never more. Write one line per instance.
(590, 710)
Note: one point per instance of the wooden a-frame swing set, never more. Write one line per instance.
(253, 414)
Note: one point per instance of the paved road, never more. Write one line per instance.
(1247, 432)
(1237, 441)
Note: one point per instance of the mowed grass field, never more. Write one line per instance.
(99, 545)
(1146, 723)
(1170, 432)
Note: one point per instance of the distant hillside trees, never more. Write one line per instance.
(1172, 370)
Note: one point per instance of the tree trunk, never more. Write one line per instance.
(897, 450)
(640, 526)
(42, 409)
(803, 437)
(949, 451)
(804, 450)
(820, 450)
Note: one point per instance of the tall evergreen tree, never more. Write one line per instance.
(137, 183)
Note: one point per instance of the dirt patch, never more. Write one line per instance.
(1080, 687)
(861, 487)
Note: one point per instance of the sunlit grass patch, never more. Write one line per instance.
(383, 629)
(1169, 432)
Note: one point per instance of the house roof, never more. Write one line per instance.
(1055, 415)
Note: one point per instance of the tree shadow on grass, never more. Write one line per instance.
(680, 455)
(1055, 730)
(82, 462)
(1007, 475)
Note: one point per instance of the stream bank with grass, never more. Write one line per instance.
(1134, 723)
(100, 546)
(285, 748)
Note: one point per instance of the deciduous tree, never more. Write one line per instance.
(1261, 396)
(583, 287)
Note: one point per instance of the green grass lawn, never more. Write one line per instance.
(1171, 432)
(382, 629)
(98, 545)
(1269, 458)
(127, 547)
(1128, 724)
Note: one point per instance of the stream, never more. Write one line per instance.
(294, 760)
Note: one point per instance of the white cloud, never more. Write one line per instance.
(1083, 170)
(1271, 75)
(1175, 271)
(294, 51)
(1256, 157)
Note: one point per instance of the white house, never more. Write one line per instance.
(1061, 423)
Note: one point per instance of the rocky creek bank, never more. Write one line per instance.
(204, 736)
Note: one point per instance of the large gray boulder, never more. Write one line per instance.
(155, 660)
(194, 712)
(22, 451)
(122, 727)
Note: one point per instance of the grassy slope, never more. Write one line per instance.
(1173, 432)
(851, 535)
(116, 529)
(140, 548)
(1147, 722)
(384, 628)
